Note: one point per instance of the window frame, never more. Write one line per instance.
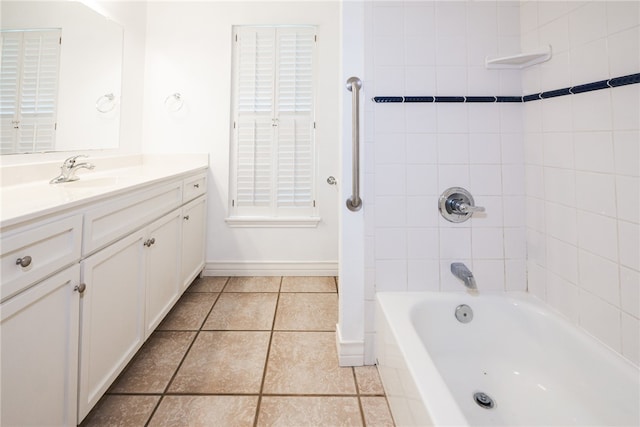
(273, 215)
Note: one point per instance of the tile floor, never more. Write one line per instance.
(246, 351)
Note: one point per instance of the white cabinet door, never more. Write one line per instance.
(194, 217)
(162, 261)
(112, 328)
(39, 341)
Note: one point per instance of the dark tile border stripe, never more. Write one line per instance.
(588, 87)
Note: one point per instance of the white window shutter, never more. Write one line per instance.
(274, 167)
(32, 89)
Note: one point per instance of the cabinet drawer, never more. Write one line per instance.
(194, 186)
(110, 221)
(43, 249)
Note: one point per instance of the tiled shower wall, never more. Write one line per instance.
(582, 167)
(413, 152)
(570, 233)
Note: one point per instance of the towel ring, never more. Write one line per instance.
(173, 102)
(106, 103)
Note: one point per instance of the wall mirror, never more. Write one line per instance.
(60, 77)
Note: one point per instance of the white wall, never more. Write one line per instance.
(416, 151)
(189, 52)
(583, 166)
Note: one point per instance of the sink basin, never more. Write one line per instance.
(93, 182)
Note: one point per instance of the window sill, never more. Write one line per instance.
(268, 222)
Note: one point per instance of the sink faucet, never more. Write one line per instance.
(69, 168)
(463, 273)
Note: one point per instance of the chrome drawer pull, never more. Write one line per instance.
(196, 185)
(24, 262)
(186, 218)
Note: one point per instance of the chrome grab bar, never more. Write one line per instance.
(354, 203)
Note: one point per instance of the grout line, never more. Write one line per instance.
(355, 380)
(266, 359)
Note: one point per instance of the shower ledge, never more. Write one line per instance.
(518, 61)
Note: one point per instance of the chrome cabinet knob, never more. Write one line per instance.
(24, 262)
(80, 288)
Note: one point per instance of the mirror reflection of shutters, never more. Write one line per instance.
(30, 63)
(275, 151)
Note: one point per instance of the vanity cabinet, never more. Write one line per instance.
(39, 341)
(82, 291)
(194, 217)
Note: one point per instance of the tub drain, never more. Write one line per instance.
(483, 400)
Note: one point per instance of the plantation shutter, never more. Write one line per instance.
(273, 118)
(28, 90)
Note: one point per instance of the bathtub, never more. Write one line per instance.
(533, 366)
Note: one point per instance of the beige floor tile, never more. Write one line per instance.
(125, 411)
(223, 362)
(243, 311)
(253, 284)
(376, 411)
(308, 284)
(368, 380)
(205, 411)
(189, 312)
(306, 363)
(309, 411)
(153, 366)
(307, 312)
(208, 284)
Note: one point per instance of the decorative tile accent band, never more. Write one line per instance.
(588, 87)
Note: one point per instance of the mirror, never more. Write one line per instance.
(86, 99)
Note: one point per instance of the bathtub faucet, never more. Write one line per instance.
(463, 273)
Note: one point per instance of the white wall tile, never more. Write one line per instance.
(514, 211)
(562, 259)
(508, 19)
(422, 180)
(422, 211)
(586, 23)
(515, 245)
(455, 243)
(389, 79)
(558, 149)
(485, 180)
(624, 55)
(626, 107)
(451, 50)
(423, 243)
(535, 214)
(449, 17)
(493, 215)
(489, 274)
(533, 148)
(599, 276)
(628, 191)
(420, 118)
(386, 52)
(561, 222)
(593, 113)
(556, 73)
(453, 176)
(593, 151)
(484, 147)
(423, 275)
(597, 234)
(391, 275)
(453, 148)
(589, 62)
(622, 15)
(510, 117)
(556, 114)
(388, 20)
(487, 243)
(563, 296)
(512, 180)
(419, 19)
(390, 149)
(629, 241)
(483, 118)
(390, 180)
(627, 152)
(391, 211)
(600, 319)
(420, 80)
(389, 118)
(551, 10)
(631, 338)
(422, 148)
(452, 118)
(528, 16)
(560, 186)
(630, 291)
(534, 181)
(536, 280)
(391, 243)
(451, 80)
(515, 272)
(596, 192)
(556, 33)
(417, 52)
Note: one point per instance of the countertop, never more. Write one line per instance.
(27, 201)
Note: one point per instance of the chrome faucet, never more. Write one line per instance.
(69, 168)
(463, 273)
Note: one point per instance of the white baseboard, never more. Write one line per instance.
(350, 353)
(271, 268)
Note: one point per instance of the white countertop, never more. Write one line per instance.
(31, 200)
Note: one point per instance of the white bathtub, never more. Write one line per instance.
(538, 368)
